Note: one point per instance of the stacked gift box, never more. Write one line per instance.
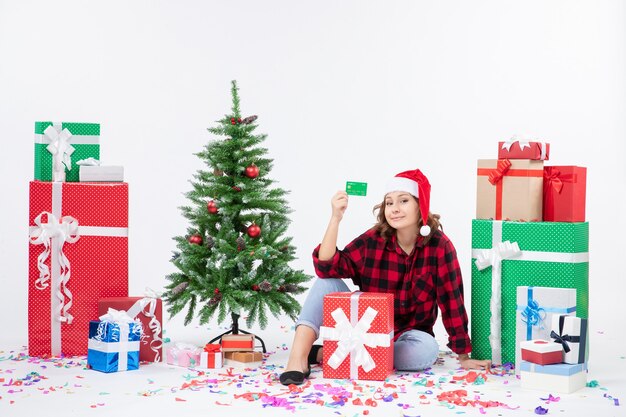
(357, 332)
(529, 231)
(79, 247)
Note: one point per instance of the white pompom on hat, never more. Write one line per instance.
(416, 184)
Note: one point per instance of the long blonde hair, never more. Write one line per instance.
(386, 231)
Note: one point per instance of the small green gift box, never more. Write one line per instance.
(506, 255)
(58, 146)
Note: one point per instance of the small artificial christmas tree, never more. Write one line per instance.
(234, 257)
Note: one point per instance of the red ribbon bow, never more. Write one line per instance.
(212, 347)
(496, 175)
(552, 178)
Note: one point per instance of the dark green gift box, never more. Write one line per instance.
(550, 255)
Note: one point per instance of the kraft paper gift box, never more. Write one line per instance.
(358, 335)
(114, 343)
(148, 310)
(506, 255)
(237, 342)
(211, 356)
(563, 378)
(564, 193)
(572, 334)
(183, 354)
(58, 146)
(243, 359)
(516, 149)
(541, 352)
(536, 306)
(509, 189)
(78, 254)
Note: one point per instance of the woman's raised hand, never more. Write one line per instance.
(339, 203)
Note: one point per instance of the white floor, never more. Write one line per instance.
(63, 387)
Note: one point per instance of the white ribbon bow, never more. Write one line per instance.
(493, 257)
(522, 144)
(353, 339)
(119, 334)
(53, 234)
(60, 149)
(154, 324)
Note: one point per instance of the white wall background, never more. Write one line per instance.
(349, 90)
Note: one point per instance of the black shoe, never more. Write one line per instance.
(313, 354)
(294, 377)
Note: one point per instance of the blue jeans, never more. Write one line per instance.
(413, 351)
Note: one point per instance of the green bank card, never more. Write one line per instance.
(356, 188)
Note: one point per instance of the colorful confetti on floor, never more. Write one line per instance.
(28, 383)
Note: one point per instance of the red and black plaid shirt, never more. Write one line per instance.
(420, 282)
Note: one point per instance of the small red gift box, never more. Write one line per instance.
(237, 342)
(517, 149)
(78, 255)
(564, 193)
(358, 335)
(541, 352)
(149, 311)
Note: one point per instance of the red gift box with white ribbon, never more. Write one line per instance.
(358, 335)
(521, 149)
(78, 254)
(148, 310)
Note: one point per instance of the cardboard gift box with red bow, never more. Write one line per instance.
(78, 255)
(564, 193)
(358, 335)
(509, 189)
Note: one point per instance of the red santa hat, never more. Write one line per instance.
(416, 184)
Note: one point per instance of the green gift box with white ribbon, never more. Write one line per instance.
(58, 146)
(506, 255)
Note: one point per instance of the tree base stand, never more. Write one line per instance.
(234, 329)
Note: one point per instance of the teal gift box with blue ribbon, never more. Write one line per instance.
(535, 308)
(114, 343)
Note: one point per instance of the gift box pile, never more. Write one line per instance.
(529, 230)
(78, 252)
(558, 364)
(357, 333)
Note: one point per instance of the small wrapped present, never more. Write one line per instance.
(101, 173)
(541, 352)
(572, 335)
(114, 342)
(358, 332)
(243, 359)
(237, 342)
(564, 193)
(536, 306)
(211, 356)
(509, 189)
(562, 378)
(519, 149)
(78, 253)
(507, 255)
(59, 145)
(183, 354)
(149, 310)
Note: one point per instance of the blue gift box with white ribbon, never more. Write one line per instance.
(114, 343)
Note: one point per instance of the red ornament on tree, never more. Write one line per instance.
(254, 230)
(211, 206)
(195, 239)
(216, 291)
(252, 171)
(255, 287)
(236, 188)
